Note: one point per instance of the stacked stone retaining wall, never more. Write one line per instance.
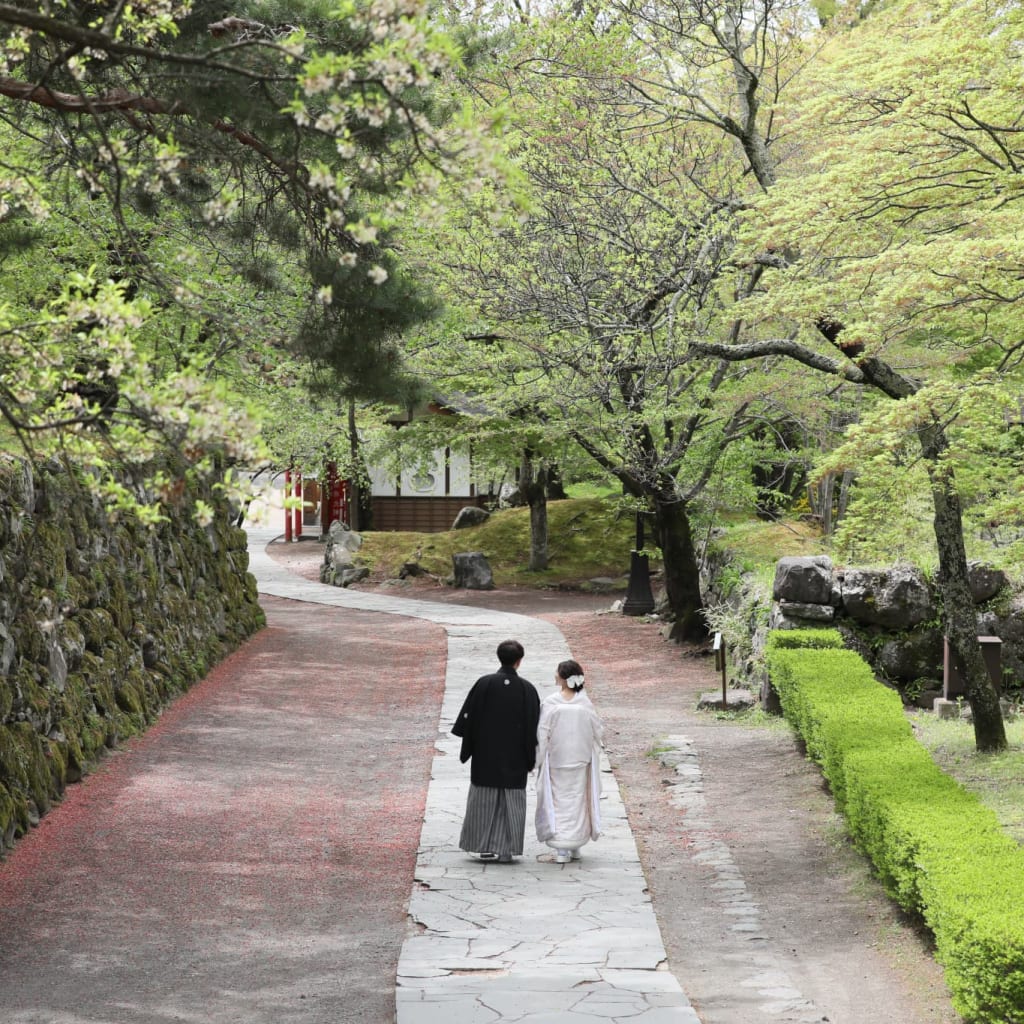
(891, 616)
(102, 622)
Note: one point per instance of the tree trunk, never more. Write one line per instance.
(533, 485)
(674, 536)
(539, 535)
(556, 489)
(828, 486)
(360, 502)
(958, 604)
(682, 573)
(844, 495)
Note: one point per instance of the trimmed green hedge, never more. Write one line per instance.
(939, 852)
(785, 639)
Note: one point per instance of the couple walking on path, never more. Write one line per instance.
(507, 731)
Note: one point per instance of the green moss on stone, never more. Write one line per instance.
(6, 697)
(8, 817)
(28, 637)
(186, 587)
(56, 753)
(49, 549)
(29, 693)
(78, 591)
(97, 627)
(24, 765)
(99, 681)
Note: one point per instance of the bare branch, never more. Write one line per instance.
(779, 347)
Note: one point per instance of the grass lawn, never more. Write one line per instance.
(588, 537)
(997, 779)
(756, 543)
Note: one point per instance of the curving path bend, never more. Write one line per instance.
(530, 943)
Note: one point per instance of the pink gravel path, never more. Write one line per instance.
(250, 858)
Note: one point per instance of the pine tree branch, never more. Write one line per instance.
(92, 39)
(121, 101)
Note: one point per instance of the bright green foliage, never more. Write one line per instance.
(578, 314)
(937, 850)
(186, 196)
(893, 232)
(890, 516)
(586, 302)
(806, 639)
(591, 539)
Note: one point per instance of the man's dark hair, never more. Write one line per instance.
(509, 652)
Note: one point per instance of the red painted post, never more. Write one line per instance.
(287, 511)
(327, 514)
(301, 504)
(343, 502)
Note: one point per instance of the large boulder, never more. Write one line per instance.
(985, 582)
(804, 580)
(778, 619)
(510, 496)
(470, 516)
(354, 574)
(341, 535)
(339, 553)
(472, 570)
(896, 598)
(912, 656)
(809, 612)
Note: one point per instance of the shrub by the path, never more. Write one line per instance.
(939, 852)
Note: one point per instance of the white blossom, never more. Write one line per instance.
(316, 84)
(363, 233)
(321, 178)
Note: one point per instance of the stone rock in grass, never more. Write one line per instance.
(896, 598)
(472, 570)
(470, 516)
(356, 574)
(804, 580)
(985, 582)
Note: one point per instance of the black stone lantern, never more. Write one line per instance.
(639, 598)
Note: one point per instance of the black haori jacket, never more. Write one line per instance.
(498, 726)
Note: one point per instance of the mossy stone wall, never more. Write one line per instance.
(102, 622)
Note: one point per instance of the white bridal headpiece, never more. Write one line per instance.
(574, 682)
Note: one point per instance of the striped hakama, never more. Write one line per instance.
(495, 821)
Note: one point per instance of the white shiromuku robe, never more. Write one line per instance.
(568, 771)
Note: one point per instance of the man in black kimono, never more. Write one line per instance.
(498, 726)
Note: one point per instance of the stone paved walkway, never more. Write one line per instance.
(532, 942)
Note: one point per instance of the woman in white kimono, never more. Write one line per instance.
(568, 766)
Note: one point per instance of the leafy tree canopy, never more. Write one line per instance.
(219, 185)
(893, 233)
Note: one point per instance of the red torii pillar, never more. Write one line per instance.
(293, 517)
(335, 499)
(287, 512)
(298, 510)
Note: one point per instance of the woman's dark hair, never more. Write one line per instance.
(509, 652)
(570, 668)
